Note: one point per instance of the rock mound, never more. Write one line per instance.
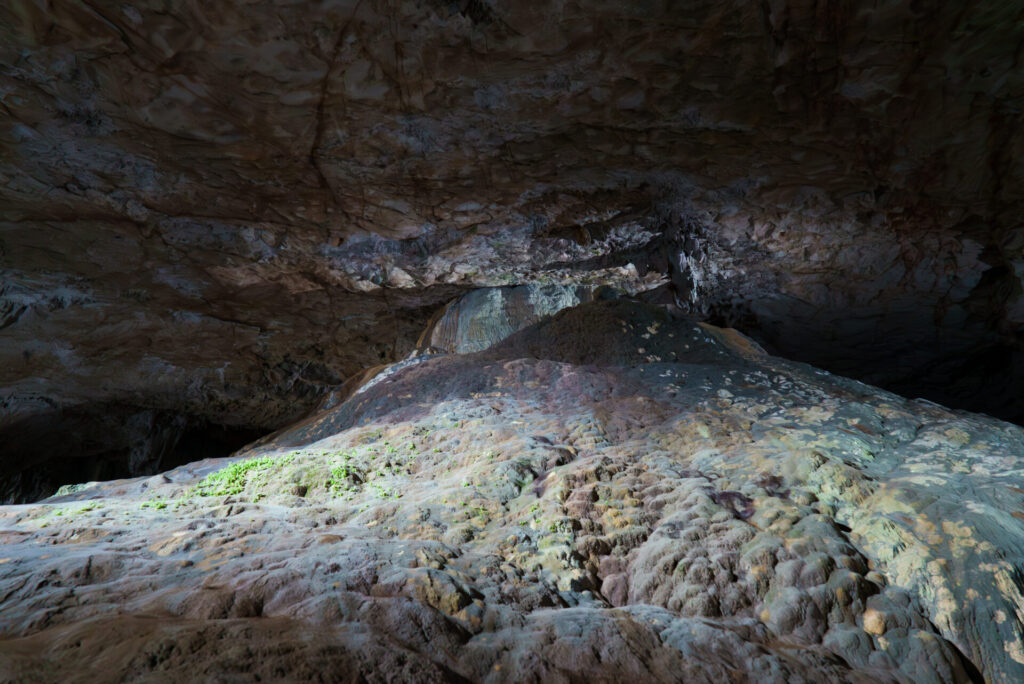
(613, 493)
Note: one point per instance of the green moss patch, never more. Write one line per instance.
(234, 478)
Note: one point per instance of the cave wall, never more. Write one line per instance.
(217, 212)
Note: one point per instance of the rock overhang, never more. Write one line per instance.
(218, 215)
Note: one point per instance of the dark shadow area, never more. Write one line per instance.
(208, 441)
(105, 442)
(970, 369)
(964, 363)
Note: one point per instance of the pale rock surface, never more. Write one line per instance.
(614, 493)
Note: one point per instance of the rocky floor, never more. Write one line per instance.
(612, 494)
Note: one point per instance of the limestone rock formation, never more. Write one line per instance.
(613, 493)
(213, 213)
(481, 318)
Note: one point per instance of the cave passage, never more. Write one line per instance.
(72, 447)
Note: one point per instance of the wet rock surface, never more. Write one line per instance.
(216, 214)
(615, 492)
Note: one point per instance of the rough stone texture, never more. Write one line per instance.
(614, 493)
(213, 212)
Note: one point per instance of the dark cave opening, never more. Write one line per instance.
(209, 441)
(108, 442)
(973, 369)
(981, 377)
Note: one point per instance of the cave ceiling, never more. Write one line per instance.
(213, 213)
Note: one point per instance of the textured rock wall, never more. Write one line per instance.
(219, 211)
